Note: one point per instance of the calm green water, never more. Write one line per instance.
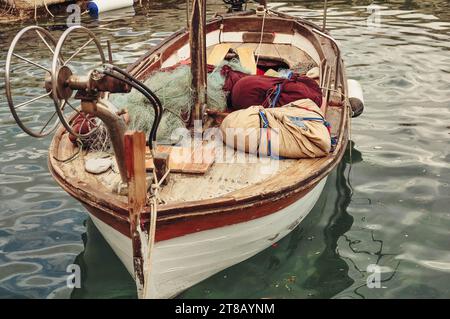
(388, 202)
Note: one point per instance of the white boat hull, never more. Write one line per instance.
(182, 262)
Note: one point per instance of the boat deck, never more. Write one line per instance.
(241, 171)
(241, 175)
(227, 183)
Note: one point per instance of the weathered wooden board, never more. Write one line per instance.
(137, 198)
(218, 53)
(284, 52)
(187, 160)
(247, 58)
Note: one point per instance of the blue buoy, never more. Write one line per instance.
(92, 8)
(95, 7)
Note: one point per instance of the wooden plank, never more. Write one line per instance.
(267, 37)
(253, 23)
(161, 163)
(292, 55)
(269, 51)
(218, 53)
(334, 115)
(186, 160)
(137, 198)
(300, 170)
(247, 58)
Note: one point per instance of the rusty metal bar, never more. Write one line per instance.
(116, 128)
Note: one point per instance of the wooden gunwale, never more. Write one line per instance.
(230, 24)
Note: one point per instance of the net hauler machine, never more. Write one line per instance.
(173, 219)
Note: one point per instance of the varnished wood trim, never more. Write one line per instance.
(254, 24)
(255, 37)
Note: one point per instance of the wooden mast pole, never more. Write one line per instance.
(325, 10)
(197, 41)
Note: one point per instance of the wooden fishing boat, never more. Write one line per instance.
(231, 211)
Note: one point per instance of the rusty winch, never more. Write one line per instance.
(63, 84)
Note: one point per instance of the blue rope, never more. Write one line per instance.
(297, 118)
(334, 140)
(278, 90)
(264, 119)
(265, 124)
(299, 122)
(277, 95)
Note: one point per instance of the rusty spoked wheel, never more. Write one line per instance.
(62, 71)
(23, 111)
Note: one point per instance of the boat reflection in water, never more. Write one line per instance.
(102, 273)
(305, 264)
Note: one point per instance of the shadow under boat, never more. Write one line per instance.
(102, 273)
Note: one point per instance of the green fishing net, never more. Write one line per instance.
(173, 88)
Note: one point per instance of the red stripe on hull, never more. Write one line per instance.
(171, 228)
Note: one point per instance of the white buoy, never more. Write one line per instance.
(355, 96)
(98, 6)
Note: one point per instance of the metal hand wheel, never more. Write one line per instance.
(22, 111)
(61, 73)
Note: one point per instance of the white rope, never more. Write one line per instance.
(151, 242)
(349, 112)
(152, 230)
(334, 90)
(261, 38)
(350, 148)
(163, 178)
(46, 7)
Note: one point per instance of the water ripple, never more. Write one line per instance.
(390, 209)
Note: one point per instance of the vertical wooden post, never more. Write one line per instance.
(161, 162)
(197, 41)
(325, 10)
(188, 13)
(137, 198)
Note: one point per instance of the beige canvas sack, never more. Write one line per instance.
(290, 135)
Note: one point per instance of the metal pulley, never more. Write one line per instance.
(62, 84)
(18, 110)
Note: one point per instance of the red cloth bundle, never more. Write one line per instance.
(82, 124)
(247, 90)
